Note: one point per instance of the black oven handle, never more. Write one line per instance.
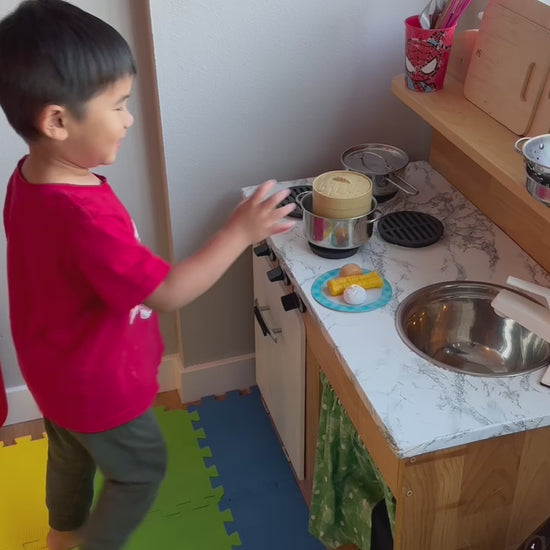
(266, 331)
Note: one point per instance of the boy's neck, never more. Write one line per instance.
(41, 167)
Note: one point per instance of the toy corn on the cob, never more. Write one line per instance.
(337, 285)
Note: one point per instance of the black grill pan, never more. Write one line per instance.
(295, 190)
(410, 228)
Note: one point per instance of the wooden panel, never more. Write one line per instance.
(534, 10)
(525, 220)
(487, 142)
(487, 492)
(531, 506)
(461, 54)
(509, 67)
(313, 407)
(355, 403)
(428, 502)
(485, 495)
(541, 120)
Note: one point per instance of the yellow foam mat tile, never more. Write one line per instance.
(22, 478)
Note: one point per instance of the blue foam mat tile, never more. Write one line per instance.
(268, 508)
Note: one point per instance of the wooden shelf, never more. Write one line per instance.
(476, 154)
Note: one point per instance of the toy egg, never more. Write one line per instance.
(350, 269)
(355, 295)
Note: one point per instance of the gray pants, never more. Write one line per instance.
(132, 459)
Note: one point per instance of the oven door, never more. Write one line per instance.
(280, 362)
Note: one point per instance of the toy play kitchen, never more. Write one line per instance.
(464, 454)
(433, 433)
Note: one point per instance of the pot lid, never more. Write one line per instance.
(375, 159)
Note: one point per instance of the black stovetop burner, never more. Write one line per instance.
(295, 190)
(385, 198)
(333, 253)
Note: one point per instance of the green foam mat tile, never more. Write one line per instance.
(201, 528)
(187, 480)
(35, 545)
(187, 477)
(186, 512)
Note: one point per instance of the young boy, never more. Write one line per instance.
(82, 288)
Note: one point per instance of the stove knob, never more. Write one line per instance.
(292, 301)
(264, 250)
(277, 274)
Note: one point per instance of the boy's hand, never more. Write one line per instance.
(253, 220)
(258, 217)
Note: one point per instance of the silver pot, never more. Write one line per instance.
(380, 163)
(538, 187)
(334, 233)
(536, 152)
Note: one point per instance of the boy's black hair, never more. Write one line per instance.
(52, 52)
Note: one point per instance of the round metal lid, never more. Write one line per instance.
(374, 158)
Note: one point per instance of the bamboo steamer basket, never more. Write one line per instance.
(341, 194)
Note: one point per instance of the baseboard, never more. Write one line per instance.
(22, 407)
(169, 373)
(217, 377)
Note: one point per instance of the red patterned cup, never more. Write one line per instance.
(427, 55)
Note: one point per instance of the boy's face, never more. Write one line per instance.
(95, 139)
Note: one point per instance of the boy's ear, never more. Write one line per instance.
(52, 122)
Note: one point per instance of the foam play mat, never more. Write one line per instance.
(186, 513)
(259, 486)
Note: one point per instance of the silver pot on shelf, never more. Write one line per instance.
(537, 188)
(536, 154)
(381, 163)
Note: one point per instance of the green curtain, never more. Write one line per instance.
(346, 485)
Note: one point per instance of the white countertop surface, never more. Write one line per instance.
(419, 406)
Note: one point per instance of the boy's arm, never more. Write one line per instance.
(253, 220)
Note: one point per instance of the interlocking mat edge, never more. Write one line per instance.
(185, 514)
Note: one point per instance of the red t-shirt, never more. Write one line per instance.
(77, 275)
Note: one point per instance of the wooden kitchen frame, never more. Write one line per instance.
(475, 153)
(488, 495)
(491, 494)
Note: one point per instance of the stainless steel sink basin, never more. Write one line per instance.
(453, 325)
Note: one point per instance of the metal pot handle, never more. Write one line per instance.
(412, 189)
(517, 147)
(377, 214)
(300, 197)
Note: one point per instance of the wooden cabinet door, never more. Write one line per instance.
(280, 366)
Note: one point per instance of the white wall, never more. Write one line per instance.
(136, 176)
(251, 90)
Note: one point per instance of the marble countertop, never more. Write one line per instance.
(421, 407)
